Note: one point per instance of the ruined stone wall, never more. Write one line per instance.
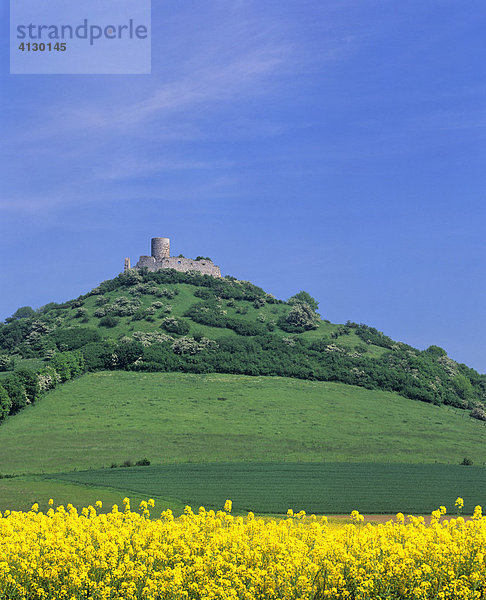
(206, 267)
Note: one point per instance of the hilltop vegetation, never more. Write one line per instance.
(172, 321)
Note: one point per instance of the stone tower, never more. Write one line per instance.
(160, 248)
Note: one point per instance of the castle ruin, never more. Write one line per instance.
(160, 258)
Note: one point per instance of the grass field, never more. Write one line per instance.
(110, 417)
(261, 425)
(315, 488)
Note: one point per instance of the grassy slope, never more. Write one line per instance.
(181, 303)
(169, 417)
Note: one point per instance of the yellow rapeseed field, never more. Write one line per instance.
(126, 555)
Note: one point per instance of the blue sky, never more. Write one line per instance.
(333, 146)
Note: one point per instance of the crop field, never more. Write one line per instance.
(323, 488)
(127, 555)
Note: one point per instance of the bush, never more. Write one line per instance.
(108, 321)
(305, 298)
(144, 462)
(68, 364)
(5, 403)
(204, 293)
(177, 326)
(478, 413)
(6, 362)
(245, 327)
(15, 390)
(24, 312)
(29, 381)
(73, 338)
(467, 462)
(436, 351)
(300, 318)
(97, 355)
(128, 353)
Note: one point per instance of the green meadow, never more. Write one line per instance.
(279, 442)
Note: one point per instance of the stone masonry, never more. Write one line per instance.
(161, 259)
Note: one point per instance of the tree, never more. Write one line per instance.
(5, 403)
(29, 381)
(306, 298)
(24, 312)
(6, 362)
(15, 391)
(436, 351)
(300, 318)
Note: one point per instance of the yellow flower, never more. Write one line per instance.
(228, 505)
(215, 556)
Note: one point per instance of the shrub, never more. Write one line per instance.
(246, 328)
(24, 312)
(5, 403)
(97, 355)
(436, 351)
(68, 364)
(467, 462)
(478, 413)
(305, 298)
(300, 318)
(73, 338)
(143, 462)
(29, 381)
(101, 300)
(16, 392)
(185, 345)
(6, 362)
(204, 293)
(177, 326)
(108, 321)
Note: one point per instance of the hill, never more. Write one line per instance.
(107, 418)
(173, 321)
(266, 442)
(178, 369)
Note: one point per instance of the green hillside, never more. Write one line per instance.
(181, 369)
(171, 321)
(110, 417)
(272, 425)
